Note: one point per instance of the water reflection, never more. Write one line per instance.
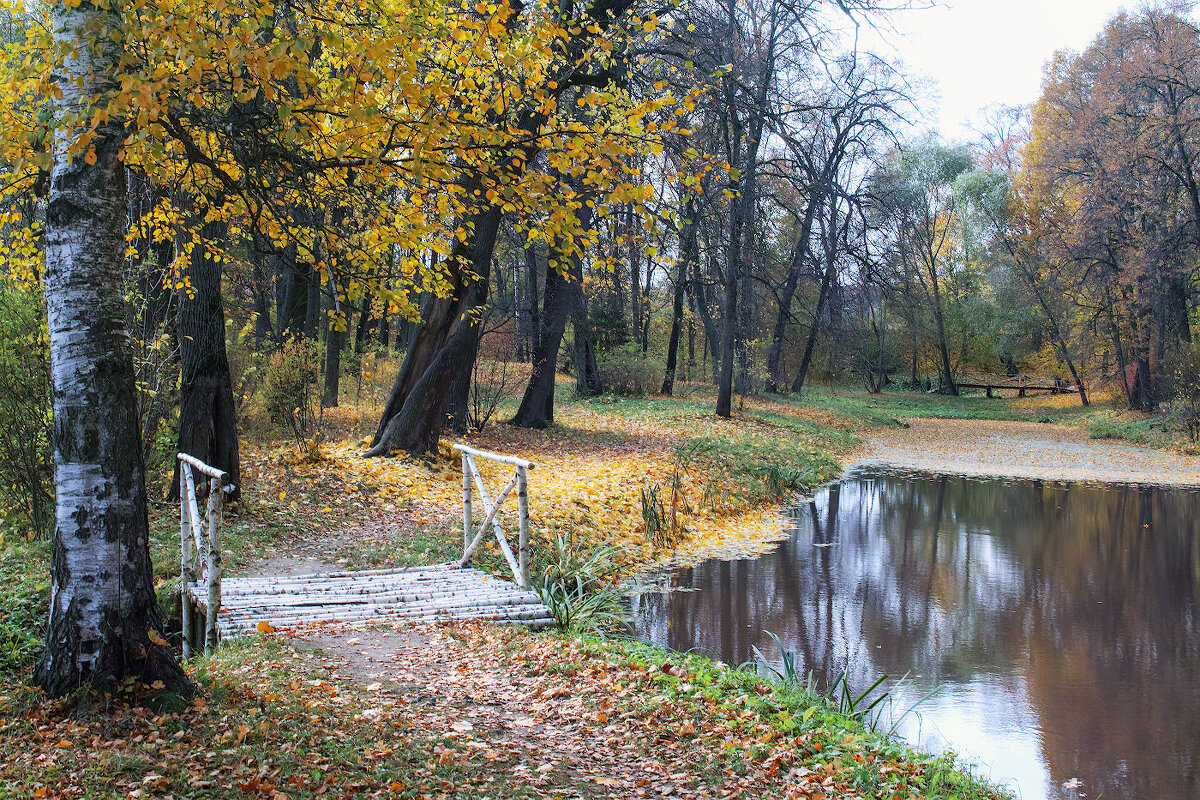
(1060, 621)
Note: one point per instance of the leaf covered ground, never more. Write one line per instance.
(715, 485)
(467, 711)
(458, 711)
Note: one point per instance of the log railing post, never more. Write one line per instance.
(518, 562)
(187, 569)
(468, 514)
(523, 542)
(200, 552)
(213, 515)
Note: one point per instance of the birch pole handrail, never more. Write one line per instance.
(200, 551)
(472, 538)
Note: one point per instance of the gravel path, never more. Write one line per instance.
(1024, 450)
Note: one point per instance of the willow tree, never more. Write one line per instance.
(104, 624)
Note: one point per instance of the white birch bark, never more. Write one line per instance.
(102, 600)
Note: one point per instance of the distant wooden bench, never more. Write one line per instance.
(1023, 384)
(214, 608)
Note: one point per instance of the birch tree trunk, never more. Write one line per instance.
(102, 602)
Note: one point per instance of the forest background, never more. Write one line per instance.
(442, 216)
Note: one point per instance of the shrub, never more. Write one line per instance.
(290, 393)
(491, 384)
(26, 480)
(625, 370)
(580, 587)
(492, 378)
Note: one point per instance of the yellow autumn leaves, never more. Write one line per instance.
(589, 474)
(354, 130)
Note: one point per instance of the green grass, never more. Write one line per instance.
(776, 456)
(1157, 431)
(881, 410)
(741, 699)
(24, 598)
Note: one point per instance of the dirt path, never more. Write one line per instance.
(1024, 450)
(553, 723)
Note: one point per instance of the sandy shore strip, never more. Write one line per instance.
(1023, 450)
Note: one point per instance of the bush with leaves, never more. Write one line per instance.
(626, 370)
(26, 480)
(290, 391)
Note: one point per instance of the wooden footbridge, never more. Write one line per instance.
(1023, 384)
(216, 608)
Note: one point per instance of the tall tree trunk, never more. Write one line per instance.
(207, 415)
(744, 188)
(531, 270)
(711, 337)
(588, 382)
(687, 256)
(437, 318)
(1179, 311)
(385, 332)
(775, 374)
(832, 237)
(635, 276)
(103, 607)
(745, 322)
(1142, 395)
(874, 370)
(458, 414)
(537, 404)
(363, 330)
(646, 305)
(691, 324)
(312, 322)
(948, 384)
(444, 344)
(260, 279)
(333, 368)
(814, 329)
(292, 292)
(520, 317)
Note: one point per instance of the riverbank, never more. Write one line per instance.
(1006, 449)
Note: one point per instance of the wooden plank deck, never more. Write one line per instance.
(441, 592)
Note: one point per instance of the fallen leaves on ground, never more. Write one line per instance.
(457, 711)
(591, 470)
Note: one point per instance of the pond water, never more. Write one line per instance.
(1058, 621)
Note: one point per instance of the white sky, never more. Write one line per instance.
(980, 52)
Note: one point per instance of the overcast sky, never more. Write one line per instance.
(980, 52)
